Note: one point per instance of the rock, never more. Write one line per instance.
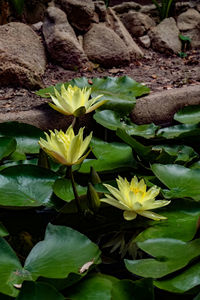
(188, 20)
(160, 107)
(137, 23)
(102, 45)
(145, 41)
(165, 37)
(126, 6)
(115, 23)
(22, 56)
(61, 40)
(189, 25)
(100, 9)
(79, 13)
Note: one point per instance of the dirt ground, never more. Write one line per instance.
(155, 70)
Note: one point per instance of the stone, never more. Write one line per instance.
(145, 41)
(126, 6)
(165, 37)
(61, 41)
(79, 13)
(22, 56)
(102, 45)
(114, 22)
(189, 25)
(100, 9)
(137, 23)
(188, 20)
(160, 107)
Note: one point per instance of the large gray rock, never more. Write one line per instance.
(22, 56)
(79, 13)
(188, 20)
(102, 45)
(61, 40)
(189, 25)
(114, 22)
(137, 23)
(165, 37)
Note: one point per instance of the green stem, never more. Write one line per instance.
(77, 199)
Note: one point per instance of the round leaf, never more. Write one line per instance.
(188, 115)
(26, 185)
(7, 146)
(63, 189)
(26, 135)
(62, 252)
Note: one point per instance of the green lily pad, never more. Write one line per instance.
(179, 131)
(182, 182)
(10, 268)
(26, 135)
(26, 185)
(7, 146)
(109, 157)
(3, 231)
(63, 251)
(63, 189)
(39, 291)
(113, 121)
(188, 115)
(170, 255)
(183, 282)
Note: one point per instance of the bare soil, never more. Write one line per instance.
(155, 70)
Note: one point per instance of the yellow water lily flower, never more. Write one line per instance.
(75, 101)
(67, 148)
(133, 198)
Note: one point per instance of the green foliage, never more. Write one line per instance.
(163, 8)
(36, 195)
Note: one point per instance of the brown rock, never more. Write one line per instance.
(114, 22)
(22, 56)
(137, 23)
(165, 37)
(126, 6)
(188, 20)
(79, 13)
(102, 45)
(160, 107)
(61, 40)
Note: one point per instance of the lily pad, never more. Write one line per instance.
(63, 251)
(188, 115)
(170, 255)
(26, 185)
(182, 181)
(63, 189)
(26, 135)
(109, 157)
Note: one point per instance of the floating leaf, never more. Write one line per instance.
(181, 181)
(171, 255)
(9, 269)
(26, 185)
(7, 146)
(39, 291)
(63, 189)
(113, 121)
(182, 282)
(110, 156)
(3, 231)
(188, 115)
(133, 290)
(63, 247)
(181, 224)
(179, 131)
(26, 135)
